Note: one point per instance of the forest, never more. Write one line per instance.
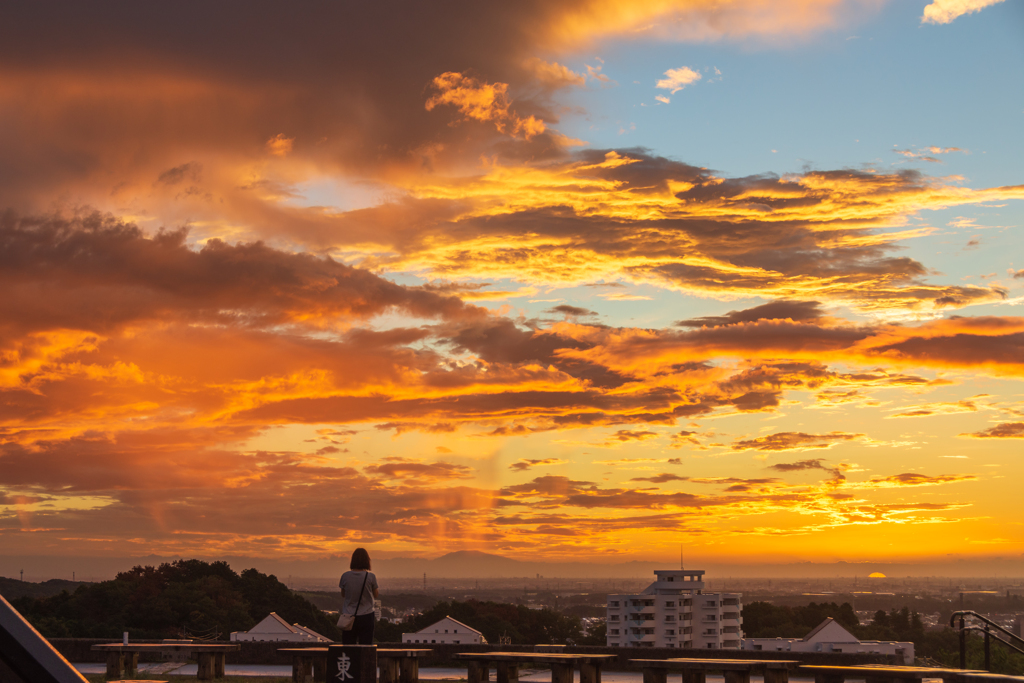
(169, 601)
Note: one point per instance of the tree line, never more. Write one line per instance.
(495, 620)
(162, 602)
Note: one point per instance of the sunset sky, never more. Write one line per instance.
(573, 279)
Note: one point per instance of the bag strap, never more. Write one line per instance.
(360, 598)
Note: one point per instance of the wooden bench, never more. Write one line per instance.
(123, 660)
(395, 665)
(734, 670)
(882, 674)
(507, 665)
(986, 677)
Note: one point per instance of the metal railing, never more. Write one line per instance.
(989, 630)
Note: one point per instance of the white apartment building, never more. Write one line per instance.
(674, 611)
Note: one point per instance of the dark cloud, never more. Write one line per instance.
(403, 468)
(661, 478)
(789, 441)
(797, 311)
(916, 479)
(572, 311)
(528, 464)
(1006, 430)
(97, 273)
(812, 464)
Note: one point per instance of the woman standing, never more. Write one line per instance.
(358, 591)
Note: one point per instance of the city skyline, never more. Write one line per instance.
(581, 278)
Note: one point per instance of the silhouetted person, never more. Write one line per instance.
(359, 590)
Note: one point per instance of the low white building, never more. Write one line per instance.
(448, 630)
(830, 636)
(674, 611)
(275, 629)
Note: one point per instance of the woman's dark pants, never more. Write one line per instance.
(362, 631)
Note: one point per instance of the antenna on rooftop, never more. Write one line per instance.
(680, 557)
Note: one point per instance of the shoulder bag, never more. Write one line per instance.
(347, 621)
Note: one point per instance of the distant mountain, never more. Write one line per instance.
(469, 564)
(13, 588)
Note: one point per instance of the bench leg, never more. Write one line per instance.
(477, 672)
(388, 667)
(320, 669)
(131, 664)
(302, 668)
(655, 675)
(508, 672)
(409, 670)
(561, 673)
(590, 673)
(115, 665)
(219, 659)
(694, 676)
(776, 676)
(206, 667)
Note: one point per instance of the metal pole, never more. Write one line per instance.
(963, 644)
(987, 653)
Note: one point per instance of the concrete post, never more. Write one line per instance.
(352, 664)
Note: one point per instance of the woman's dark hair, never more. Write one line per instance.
(360, 559)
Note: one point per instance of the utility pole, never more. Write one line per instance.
(22, 574)
(424, 581)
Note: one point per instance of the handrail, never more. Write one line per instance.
(987, 631)
(979, 629)
(966, 612)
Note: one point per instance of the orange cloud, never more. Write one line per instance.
(483, 102)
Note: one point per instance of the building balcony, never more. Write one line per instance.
(641, 637)
(647, 609)
(731, 615)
